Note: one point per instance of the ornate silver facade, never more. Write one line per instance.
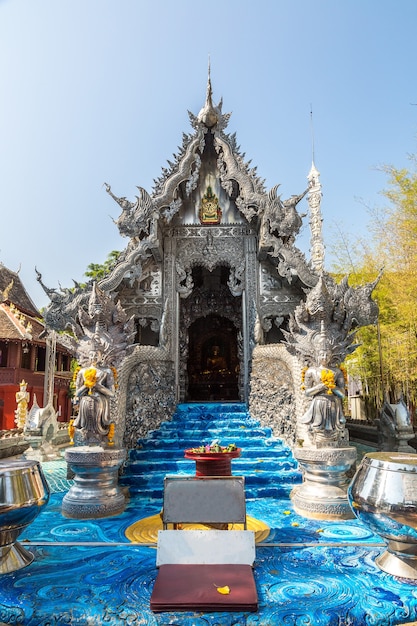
(211, 276)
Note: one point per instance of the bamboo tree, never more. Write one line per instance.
(386, 360)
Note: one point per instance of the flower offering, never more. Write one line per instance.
(90, 378)
(327, 377)
(214, 448)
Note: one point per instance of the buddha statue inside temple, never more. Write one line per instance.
(216, 362)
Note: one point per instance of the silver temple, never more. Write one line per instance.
(225, 307)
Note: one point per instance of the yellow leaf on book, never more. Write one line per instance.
(224, 590)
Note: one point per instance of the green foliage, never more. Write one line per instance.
(98, 271)
(386, 360)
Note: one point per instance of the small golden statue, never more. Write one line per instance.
(71, 431)
(210, 211)
(110, 435)
(22, 399)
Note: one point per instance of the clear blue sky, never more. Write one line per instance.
(96, 91)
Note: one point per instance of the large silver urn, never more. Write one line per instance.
(383, 495)
(24, 492)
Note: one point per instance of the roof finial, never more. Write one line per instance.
(209, 114)
(209, 95)
(312, 131)
(209, 89)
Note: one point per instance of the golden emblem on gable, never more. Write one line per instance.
(210, 211)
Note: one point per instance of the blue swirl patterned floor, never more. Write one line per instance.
(307, 572)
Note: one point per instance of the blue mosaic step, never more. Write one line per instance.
(251, 479)
(179, 443)
(154, 493)
(209, 434)
(197, 417)
(185, 437)
(251, 474)
(239, 466)
(211, 408)
(277, 451)
(221, 420)
(267, 464)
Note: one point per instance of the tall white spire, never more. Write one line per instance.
(316, 220)
(314, 202)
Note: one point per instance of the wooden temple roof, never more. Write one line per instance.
(17, 294)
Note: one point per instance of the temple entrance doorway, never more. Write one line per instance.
(213, 363)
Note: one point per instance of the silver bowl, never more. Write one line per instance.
(23, 494)
(383, 495)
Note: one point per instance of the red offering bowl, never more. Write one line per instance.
(213, 463)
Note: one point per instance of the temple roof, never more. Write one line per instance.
(16, 326)
(209, 183)
(20, 320)
(208, 153)
(13, 291)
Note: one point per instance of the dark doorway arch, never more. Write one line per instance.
(213, 362)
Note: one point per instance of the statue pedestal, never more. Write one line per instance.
(323, 493)
(95, 492)
(404, 436)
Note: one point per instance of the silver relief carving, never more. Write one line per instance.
(193, 180)
(136, 217)
(317, 248)
(173, 208)
(180, 171)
